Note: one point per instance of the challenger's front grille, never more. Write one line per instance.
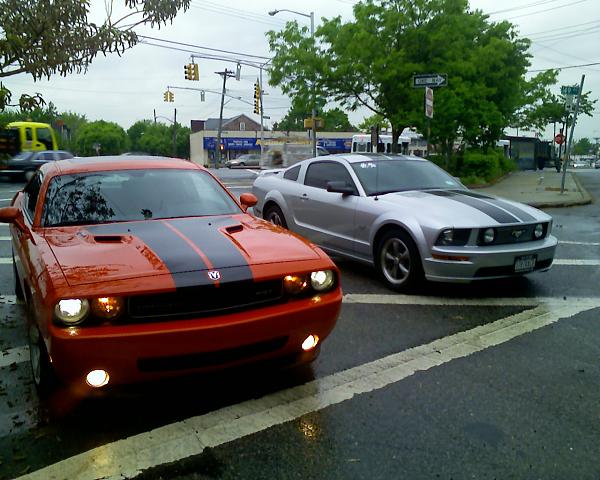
(209, 359)
(204, 300)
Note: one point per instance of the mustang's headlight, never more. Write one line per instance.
(454, 237)
(538, 232)
(108, 308)
(295, 284)
(322, 280)
(489, 235)
(72, 311)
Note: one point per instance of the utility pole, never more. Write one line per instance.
(155, 116)
(314, 107)
(570, 141)
(225, 74)
(175, 133)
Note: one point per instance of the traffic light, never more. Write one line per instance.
(166, 96)
(191, 71)
(257, 98)
(169, 96)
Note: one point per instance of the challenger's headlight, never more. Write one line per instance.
(108, 307)
(322, 280)
(72, 311)
(295, 284)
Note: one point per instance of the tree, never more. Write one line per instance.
(370, 61)
(46, 38)
(157, 139)
(374, 120)
(583, 147)
(109, 137)
(335, 119)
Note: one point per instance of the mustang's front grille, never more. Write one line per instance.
(208, 359)
(204, 300)
(514, 234)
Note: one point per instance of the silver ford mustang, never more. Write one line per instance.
(407, 217)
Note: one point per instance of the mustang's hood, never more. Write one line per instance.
(180, 247)
(464, 208)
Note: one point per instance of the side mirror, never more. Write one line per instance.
(12, 215)
(339, 186)
(248, 200)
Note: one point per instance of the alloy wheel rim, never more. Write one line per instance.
(395, 261)
(275, 219)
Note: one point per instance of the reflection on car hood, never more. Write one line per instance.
(464, 208)
(178, 247)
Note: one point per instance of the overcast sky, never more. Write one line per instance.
(128, 88)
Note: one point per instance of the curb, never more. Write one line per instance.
(586, 200)
(493, 182)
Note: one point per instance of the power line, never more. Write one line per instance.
(564, 68)
(543, 32)
(243, 16)
(546, 10)
(522, 7)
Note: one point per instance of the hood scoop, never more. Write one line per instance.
(108, 238)
(234, 228)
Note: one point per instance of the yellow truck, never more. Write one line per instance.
(27, 137)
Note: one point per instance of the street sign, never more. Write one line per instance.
(428, 102)
(559, 139)
(569, 90)
(430, 80)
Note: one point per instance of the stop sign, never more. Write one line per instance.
(559, 139)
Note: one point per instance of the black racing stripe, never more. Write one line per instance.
(519, 212)
(224, 255)
(175, 253)
(492, 211)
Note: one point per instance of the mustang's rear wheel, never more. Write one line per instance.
(398, 260)
(274, 215)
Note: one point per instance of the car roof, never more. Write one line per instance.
(117, 162)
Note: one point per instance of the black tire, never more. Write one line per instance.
(242, 164)
(274, 215)
(398, 261)
(18, 289)
(41, 370)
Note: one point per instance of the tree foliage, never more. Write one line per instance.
(374, 120)
(370, 62)
(583, 146)
(45, 38)
(157, 139)
(108, 136)
(335, 119)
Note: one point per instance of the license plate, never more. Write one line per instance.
(526, 263)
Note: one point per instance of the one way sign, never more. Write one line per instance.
(430, 80)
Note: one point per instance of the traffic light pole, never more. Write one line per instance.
(224, 74)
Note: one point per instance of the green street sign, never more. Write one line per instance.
(569, 90)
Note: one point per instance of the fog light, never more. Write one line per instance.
(310, 342)
(97, 378)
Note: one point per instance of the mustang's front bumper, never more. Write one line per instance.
(145, 351)
(487, 262)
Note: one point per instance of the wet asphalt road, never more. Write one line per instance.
(525, 408)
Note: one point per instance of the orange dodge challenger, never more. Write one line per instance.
(138, 268)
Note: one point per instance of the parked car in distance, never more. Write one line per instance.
(24, 164)
(133, 269)
(597, 164)
(579, 164)
(246, 160)
(407, 217)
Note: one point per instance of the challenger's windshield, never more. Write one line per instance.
(385, 176)
(121, 196)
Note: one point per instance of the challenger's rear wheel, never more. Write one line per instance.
(398, 260)
(274, 215)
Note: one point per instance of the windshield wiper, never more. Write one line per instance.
(72, 223)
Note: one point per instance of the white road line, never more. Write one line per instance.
(570, 242)
(170, 443)
(397, 299)
(4, 239)
(8, 300)
(14, 355)
(255, 172)
(5, 260)
(5, 199)
(577, 262)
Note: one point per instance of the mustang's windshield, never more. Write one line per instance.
(125, 195)
(385, 176)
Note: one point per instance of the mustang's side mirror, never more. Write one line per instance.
(248, 200)
(339, 186)
(12, 215)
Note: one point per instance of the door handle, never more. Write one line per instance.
(304, 196)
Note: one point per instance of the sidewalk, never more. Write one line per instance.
(540, 189)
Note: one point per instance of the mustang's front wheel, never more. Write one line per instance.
(398, 260)
(274, 215)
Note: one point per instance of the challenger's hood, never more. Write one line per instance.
(180, 247)
(463, 208)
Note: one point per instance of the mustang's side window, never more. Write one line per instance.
(32, 192)
(292, 173)
(319, 173)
